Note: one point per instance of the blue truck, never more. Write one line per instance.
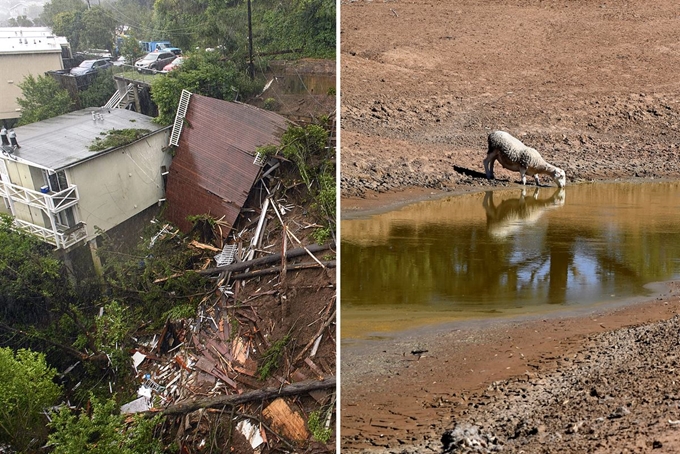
(153, 46)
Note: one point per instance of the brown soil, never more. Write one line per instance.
(591, 85)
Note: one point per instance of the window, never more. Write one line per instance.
(66, 218)
(56, 181)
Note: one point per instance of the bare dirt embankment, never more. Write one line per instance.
(593, 87)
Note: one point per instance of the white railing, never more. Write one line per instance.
(62, 238)
(182, 107)
(59, 201)
(51, 202)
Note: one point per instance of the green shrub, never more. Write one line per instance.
(103, 431)
(26, 391)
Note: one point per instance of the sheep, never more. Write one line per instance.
(512, 154)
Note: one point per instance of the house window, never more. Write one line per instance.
(66, 218)
(56, 181)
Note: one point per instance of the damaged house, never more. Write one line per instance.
(215, 163)
(60, 190)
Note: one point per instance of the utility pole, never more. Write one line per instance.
(251, 71)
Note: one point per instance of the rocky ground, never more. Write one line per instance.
(592, 86)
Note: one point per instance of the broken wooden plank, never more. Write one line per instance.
(204, 246)
(210, 367)
(314, 367)
(330, 320)
(285, 420)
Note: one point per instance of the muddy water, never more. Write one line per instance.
(507, 253)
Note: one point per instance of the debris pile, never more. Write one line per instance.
(259, 356)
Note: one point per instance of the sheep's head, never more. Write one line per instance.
(560, 177)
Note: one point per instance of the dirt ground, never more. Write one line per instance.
(592, 86)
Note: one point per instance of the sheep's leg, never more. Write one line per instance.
(488, 165)
(538, 182)
(522, 173)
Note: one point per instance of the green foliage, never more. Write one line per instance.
(271, 358)
(97, 29)
(270, 104)
(84, 28)
(117, 138)
(26, 390)
(42, 98)
(318, 428)
(20, 21)
(68, 24)
(111, 332)
(103, 431)
(52, 9)
(131, 49)
(306, 147)
(298, 24)
(267, 150)
(140, 277)
(181, 312)
(321, 235)
(100, 90)
(30, 277)
(202, 73)
(299, 144)
(326, 196)
(277, 25)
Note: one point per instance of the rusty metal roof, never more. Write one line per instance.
(213, 171)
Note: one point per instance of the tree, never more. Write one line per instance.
(98, 29)
(202, 73)
(42, 98)
(131, 49)
(26, 390)
(68, 24)
(20, 21)
(55, 7)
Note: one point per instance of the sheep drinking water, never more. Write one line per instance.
(512, 154)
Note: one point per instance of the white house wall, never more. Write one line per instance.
(13, 70)
(121, 184)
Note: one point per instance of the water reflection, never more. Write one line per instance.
(500, 251)
(509, 216)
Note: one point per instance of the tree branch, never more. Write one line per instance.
(191, 405)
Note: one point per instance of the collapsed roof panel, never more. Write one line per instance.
(213, 170)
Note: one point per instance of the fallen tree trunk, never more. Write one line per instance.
(191, 405)
(299, 266)
(240, 266)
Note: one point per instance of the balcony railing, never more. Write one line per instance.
(53, 202)
(63, 238)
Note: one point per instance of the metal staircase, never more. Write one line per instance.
(118, 98)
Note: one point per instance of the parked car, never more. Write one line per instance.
(98, 53)
(154, 61)
(173, 64)
(90, 66)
